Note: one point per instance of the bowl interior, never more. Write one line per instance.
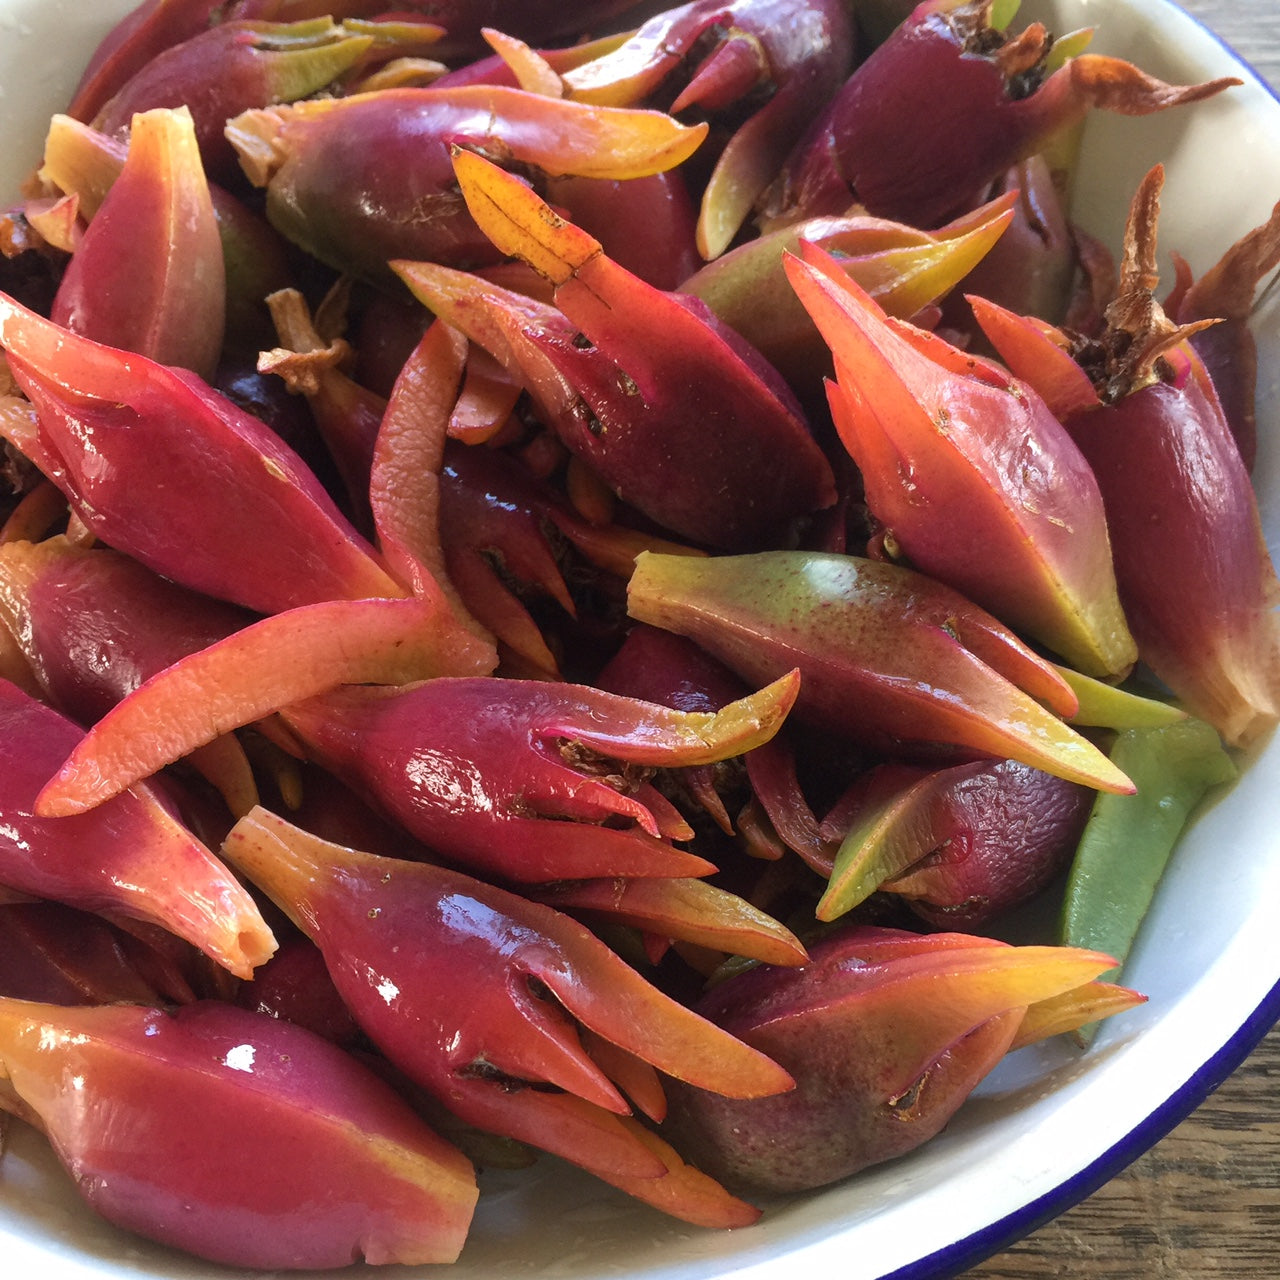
(1206, 957)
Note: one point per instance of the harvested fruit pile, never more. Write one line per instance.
(537, 606)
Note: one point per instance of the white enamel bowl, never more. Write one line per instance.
(1050, 1124)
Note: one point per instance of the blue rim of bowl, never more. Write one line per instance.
(973, 1249)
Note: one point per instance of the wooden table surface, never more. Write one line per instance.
(1205, 1202)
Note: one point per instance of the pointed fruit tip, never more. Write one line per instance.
(518, 221)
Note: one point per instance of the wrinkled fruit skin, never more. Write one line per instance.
(824, 1142)
(837, 1120)
(1009, 830)
(885, 1033)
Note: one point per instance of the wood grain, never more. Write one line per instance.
(1203, 1204)
(1251, 27)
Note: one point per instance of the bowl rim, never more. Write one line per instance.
(999, 1235)
(980, 1245)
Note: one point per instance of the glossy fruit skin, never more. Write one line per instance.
(462, 20)
(990, 835)
(508, 1042)
(236, 1136)
(224, 507)
(873, 138)
(130, 856)
(86, 163)
(295, 986)
(933, 116)
(370, 157)
(1195, 577)
(528, 780)
(970, 474)
(646, 224)
(1193, 569)
(56, 954)
(763, 67)
(231, 68)
(361, 180)
(145, 32)
(906, 270)
(888, 657)
(661, 821)
(159, 24)
(663, 667)
(95, 624)
(668, 406)
(149, 275)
